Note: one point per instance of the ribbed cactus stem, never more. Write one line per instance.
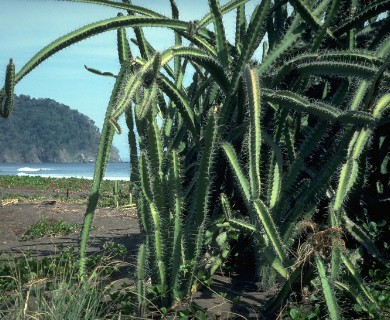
(333, 308)
(254, 141)
(100, 167)
(270, 229)
(141, 292)
(159, 247)
(177, 233)
(7, 96)
(199, 210)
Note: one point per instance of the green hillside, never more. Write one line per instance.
(43, 130)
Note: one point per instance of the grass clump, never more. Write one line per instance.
(50, 288)
(50, 228)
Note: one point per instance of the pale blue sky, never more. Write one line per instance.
(29, 25)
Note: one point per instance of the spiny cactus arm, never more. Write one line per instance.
(382, 106)
(352, 32)
(178, 71)
(373, 8)
(100, 167)
(270, 229)
(342, 69)
(326, 111)
(280, 19)
(365, 133)
(159, 245)
(150, 88)
(99, 72)
(134, 176)
(144, 212)
(97, 28)
(199, 57)
(359, 57)
(125, 55)
(231, 5)
(150, 51)
(360, 236)
(357, 277)
(142, 43)
(124, 6)
(133, 82)
(348, 172)
(255, 32)
(269, 253)
(254, 35)
(7, 94)
(220, 36)
(384, 48)
(124, 52)
(276, 170)
(290, 38)
(141, 291)
(316, 185)
(181, 104)
(176, 189)
(199, 206)
(381, 53)
(156, 156)
(254, 142)
(308, 146)
(373, 89)
(309, 17)
(145, 177)
(240, 27)
(289, 99)
(277, 301)
(147, 102)
(238, 172)
(331, 302)
(355, 295)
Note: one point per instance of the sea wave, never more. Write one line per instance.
(59, 175)
(28, 169)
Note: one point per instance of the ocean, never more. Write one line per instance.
(115, 171)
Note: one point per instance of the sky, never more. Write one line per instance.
(29, 25)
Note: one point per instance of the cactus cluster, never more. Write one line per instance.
(283, 139)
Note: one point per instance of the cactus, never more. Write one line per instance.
(284, 137)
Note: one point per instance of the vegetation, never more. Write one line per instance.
(51, 133)
(291, 148)
(112, 193)
(49, 288)
(50, 228)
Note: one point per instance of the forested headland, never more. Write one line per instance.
(43, 130)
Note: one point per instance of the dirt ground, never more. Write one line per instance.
(109, 224)
(121, 226)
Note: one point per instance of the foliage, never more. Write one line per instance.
(295, 141)
(64, 189)
(50, 228)
(49, 287)
(43, 130)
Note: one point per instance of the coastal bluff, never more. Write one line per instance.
(43, 130)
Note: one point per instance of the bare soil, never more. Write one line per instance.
(121, 226)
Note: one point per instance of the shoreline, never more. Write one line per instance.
(114, 170)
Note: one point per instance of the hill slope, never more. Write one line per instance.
(43, 130)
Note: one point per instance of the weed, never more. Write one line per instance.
(50, 228)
